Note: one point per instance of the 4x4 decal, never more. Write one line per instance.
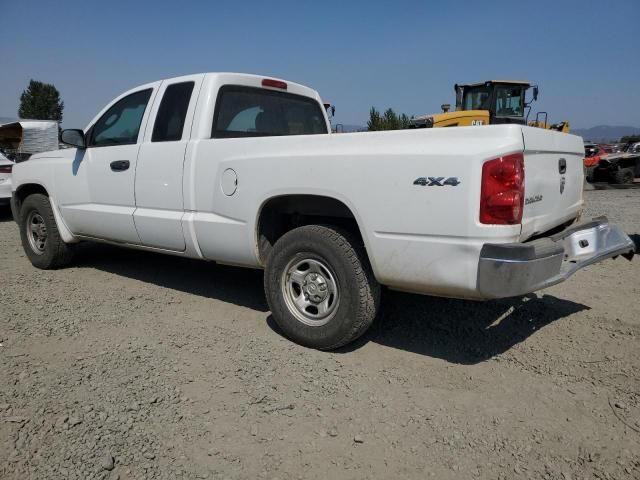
(436, 181)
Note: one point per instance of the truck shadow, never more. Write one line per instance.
(458, 331)
(239, 286)
(462, 331)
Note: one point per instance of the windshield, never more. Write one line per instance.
(509, 99)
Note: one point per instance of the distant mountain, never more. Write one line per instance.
(605, 133)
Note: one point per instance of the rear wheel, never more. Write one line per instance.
(624, 176)
(39, 233)
(320, 287)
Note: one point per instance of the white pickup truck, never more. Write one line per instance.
(243, 170)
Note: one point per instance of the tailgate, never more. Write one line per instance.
(553, 165)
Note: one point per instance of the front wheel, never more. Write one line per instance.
(40, 236)
(320, 287)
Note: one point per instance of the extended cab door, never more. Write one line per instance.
(96, 192)
(158, 183)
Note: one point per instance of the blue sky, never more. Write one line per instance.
(585, 55)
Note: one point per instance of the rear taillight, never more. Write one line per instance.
(6, 168)
(502, 193)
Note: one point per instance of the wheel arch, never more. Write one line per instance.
(21, 193)
(282, 213)
(26, 189)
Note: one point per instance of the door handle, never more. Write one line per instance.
(119, 165)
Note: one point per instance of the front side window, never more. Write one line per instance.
(257, 112)
(509, 101)
(120, 125)
(172, 112)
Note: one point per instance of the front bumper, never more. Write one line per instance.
(512, 269)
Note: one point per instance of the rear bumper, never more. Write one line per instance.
(512, 269)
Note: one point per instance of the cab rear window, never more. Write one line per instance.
(257, 112)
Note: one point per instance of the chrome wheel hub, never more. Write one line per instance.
(36, 232)
(310, 291)
(315, 288)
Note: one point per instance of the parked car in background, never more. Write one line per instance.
(621, 168)
(6, 167)
(607, 147)
(617, 148)
(592, 155)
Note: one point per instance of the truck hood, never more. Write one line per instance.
(61, 153)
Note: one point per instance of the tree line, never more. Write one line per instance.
(389, 120)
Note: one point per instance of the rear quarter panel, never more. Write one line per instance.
(419, 238)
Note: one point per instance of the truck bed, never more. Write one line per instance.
(424, 238)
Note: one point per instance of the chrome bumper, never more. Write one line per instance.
(512, 269)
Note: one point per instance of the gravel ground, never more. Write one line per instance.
(136, 365)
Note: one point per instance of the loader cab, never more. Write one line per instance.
(503, 99)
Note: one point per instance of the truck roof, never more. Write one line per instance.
(255, 80)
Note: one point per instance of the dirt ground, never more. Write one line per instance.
(136, 365)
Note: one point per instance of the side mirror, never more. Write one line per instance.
(74, 137)
(535, 92)
(333, 111)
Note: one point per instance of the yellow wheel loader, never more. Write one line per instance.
(489, 103)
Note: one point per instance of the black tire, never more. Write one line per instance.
(358, 292)
(599, 176)
(54, 252)
(589, 174)
(623, 176)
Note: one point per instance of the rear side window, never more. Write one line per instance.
(257, 112)
(172, 112)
